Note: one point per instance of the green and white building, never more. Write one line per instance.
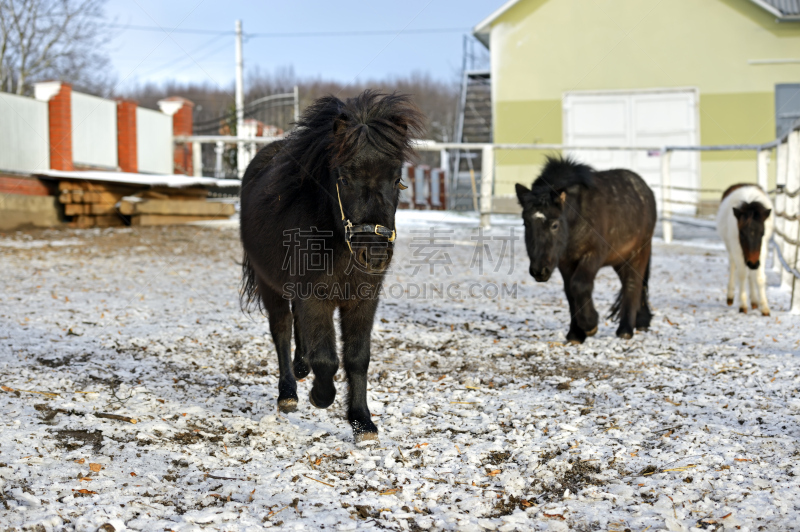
(643, 72)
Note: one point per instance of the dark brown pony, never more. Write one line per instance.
(579, 220)
(317, 227)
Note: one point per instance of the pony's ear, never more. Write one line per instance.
(767, 212)
(737, 212)
(340, 123)
(522, 191)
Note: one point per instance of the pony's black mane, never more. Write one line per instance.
(561, 173)
(331, 132)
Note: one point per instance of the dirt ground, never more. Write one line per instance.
(487, 420)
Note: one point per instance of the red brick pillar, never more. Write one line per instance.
(181, 111)
(58, 96)
(127, 153)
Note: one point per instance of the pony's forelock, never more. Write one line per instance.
(561, 173)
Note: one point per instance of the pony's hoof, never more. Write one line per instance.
(765, 313)
(730, 301)
(753, 306)
(643, 329)
(300, 369)
(574, 342)
(625, 335)
(287, 406)
(742, 310)
(317, 403)
(592, 332)
(367, 438)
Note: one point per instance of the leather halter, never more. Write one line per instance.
(362, 229)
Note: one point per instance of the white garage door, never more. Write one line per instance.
(638, 118)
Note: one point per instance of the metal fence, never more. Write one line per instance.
(24, 136)
(786, 241)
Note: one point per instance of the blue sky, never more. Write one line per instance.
(139, 56)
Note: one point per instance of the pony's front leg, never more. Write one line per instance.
(356, 324)
(753, 291)
(581, 287)
(741, 277)
(318, 341)
(761, 281)
(731, 281)
(575, 335)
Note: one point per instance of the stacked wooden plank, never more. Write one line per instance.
(92, 204)
(95, 204)
(160, 206)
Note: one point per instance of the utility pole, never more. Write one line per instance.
(241, 153)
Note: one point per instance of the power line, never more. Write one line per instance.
(168, 30)
(357, 33)
(367, 33)
(189, 55)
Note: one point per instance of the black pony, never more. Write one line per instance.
(579, 220)
(317, 227)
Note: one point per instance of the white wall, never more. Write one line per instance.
(94, 131)
(154, 150)
(24, 134)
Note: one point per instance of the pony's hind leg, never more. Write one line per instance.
(280, 325)
(632, 275)
(318, 341)
(300, 365)
(356, 325)
(644, 315)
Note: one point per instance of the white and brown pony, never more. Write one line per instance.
(745, 223)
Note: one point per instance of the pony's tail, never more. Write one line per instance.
(615, 307)
(644, 305)
(249, 298)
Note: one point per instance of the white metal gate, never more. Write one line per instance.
(638, 118)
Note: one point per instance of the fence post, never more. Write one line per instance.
(791, 206)
(197, 159)
(219, 150)
(487, 184)
(444, 164)
(666, 187)
(763, 168)
(780, 200)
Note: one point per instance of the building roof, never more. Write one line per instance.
(784, 10)
(483, 28)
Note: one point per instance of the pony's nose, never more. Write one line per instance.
(753, 265)
(374, 258)
(542, 274)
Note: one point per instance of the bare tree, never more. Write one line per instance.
(53, 39)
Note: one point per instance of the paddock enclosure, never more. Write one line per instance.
(487, 419)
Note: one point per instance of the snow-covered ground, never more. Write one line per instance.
(487, 420)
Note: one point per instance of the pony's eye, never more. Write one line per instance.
(343, 181)
(554, 226)
(399, 184)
